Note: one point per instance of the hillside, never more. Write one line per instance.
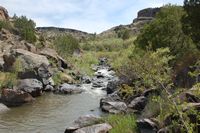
(52, 32)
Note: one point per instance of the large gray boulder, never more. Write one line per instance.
(112, 85)
(28, 59)
(45, 75)
(83, 121)
(12, 97)
(3, 108)
(52, 54)
(113, 104)
(138, 103)
(114, 107)
(31, 86)
(98, 128)
(69, 89)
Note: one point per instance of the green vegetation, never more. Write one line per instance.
(66, 45)
(121, 123)
(26, 28)
(192, 19)
(166, 31)
(5, 25)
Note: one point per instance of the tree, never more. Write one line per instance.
(166, 31)
(26, 28)
(192, 20)
(65, 45)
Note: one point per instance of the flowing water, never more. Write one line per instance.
(51, 113)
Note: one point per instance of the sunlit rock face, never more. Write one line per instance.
(148, 12)
(3, 14)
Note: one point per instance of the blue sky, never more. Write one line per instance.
(86, 15)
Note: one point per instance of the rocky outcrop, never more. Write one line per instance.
(148, 12)
(52, 32)
(12, 97)
(52, 54)
(28, 59)
(113, 104)
(3, 14)
(144, 16)
(31, 86)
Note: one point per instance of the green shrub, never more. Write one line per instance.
(192, 19)
(166, 31)
(84, 63)
(7, 80)
(26, 28)
(5, 25)
(66, 45)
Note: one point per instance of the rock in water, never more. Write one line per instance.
(99, 128)
(113, 104)
(11, 97)
(3, 108)
(31, 86)
(83, 121)
(69, 89)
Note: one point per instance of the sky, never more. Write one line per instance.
(86, 15)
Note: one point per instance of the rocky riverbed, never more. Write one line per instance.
(55, 110)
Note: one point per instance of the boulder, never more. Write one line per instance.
(114, 107)
(30, 47)
(28, 59)
(86, 80)
(45, 75)
(112, 104)
(98, 128)
(83, 121)
(31, 86)
(138, 103)
(99, 83)
(49, 53)
(11, 97)
(52, 54)
(147, 126)
(48, 88)
(69, 89)
(112, 86)
(3, 108)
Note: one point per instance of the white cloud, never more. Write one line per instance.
(87, 15)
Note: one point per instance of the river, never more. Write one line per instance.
(51, 113)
